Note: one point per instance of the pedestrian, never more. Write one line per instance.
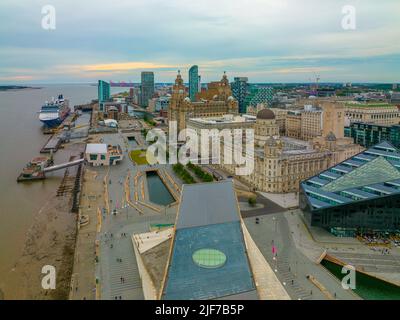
(121, 280)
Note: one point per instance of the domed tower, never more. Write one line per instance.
(178, 90)
(224, 88)
(177, 104)
(265, 127)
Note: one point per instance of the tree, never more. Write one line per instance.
(252, 201)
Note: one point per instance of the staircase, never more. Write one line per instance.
(287, 275)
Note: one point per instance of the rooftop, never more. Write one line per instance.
(369, 105)
(220, 207)
(209, 259)
(371, 174)
(227, 119)
(96, 148)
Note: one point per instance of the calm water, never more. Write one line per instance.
(158, 192)
(368, 288)
(21, 140)
(132, 142)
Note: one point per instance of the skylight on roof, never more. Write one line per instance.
(209, 258)
(376, 171)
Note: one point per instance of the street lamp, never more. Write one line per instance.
(275, 221)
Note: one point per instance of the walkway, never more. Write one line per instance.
(291, 264)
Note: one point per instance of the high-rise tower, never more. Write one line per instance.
(103, 93)
(239, 92)
(146, 87)
(193, 82)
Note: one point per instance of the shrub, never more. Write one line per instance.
(204, 176)
(252, 201)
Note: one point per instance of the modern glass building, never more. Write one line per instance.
(258, 95)
(239, 88)
(193, 82)
(367, 134)
(103, 93)
(359, 195)
(146, 88)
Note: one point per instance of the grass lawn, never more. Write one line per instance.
(138, 157)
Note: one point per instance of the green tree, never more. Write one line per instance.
(252, 201)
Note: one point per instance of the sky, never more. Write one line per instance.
(265, 40)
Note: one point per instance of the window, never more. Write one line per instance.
(93, 157)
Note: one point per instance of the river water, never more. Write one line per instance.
(367, 287)
(20, 140)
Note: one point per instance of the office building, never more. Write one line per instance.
(146, 88)
(193, 82)
(395, 98)
(367, 134)
(259, 95)
(239, 92)
(376, 113)
(103, 93)
(158, 104)
(280, 163)
(228, 121)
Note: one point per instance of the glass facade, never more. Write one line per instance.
(146, 88)
(193, 82)
(239, 91)
(367, 135)
(103, 93)
(259, 95)
(361, 194)
(374, 215)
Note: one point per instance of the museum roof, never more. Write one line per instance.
(370, 174)
(208, 258)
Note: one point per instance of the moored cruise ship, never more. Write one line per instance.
(54, 112)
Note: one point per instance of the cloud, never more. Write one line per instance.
(124, 66)
(19, 78)
(262, 38)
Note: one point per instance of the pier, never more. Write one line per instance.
(53, 144)
(34, 174)
(63, 165)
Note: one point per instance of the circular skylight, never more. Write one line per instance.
(209, 258)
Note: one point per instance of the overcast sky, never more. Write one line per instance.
(265, 40)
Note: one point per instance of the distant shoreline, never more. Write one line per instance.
(14, 88)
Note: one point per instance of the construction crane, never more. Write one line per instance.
(317, 78)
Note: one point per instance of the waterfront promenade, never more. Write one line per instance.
(113, 218)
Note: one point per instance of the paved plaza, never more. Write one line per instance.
(122, 199)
